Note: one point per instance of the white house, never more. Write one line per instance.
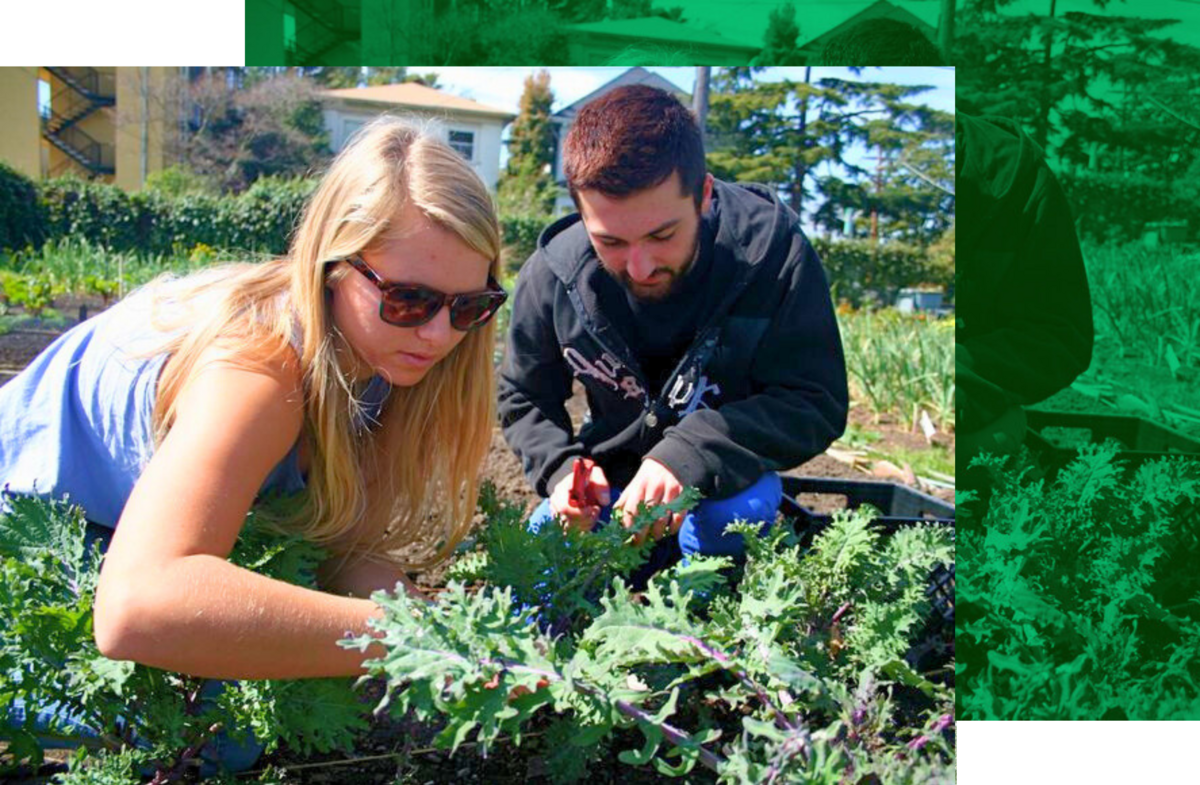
(470, 127)
(562, 120)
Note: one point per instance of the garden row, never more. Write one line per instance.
(1078, 597)
(819, 664)
(900, 366)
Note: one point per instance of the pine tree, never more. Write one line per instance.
(780, 133)
(1081, 74)
(780, 40)
(527, 187)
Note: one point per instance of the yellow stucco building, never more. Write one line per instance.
(115, 125)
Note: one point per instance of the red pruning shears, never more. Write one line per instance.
(582, 494)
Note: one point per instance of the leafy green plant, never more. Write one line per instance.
(796, 666)
(104, 288)
(1079, 598)
(34, 292)
(790, 668)
(145, 719)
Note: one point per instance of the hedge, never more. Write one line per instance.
(21, 220)
(261, 220)
(1116, 206)
(860, 270)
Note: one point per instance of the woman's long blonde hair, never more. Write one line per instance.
(407, 488)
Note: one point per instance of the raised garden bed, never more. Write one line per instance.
(898, 504)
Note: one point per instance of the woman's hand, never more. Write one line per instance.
(365, 575)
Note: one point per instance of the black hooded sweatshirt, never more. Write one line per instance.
(760, 386)
(1023, 306)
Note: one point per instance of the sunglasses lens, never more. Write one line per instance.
(473, 310)
(409, 306)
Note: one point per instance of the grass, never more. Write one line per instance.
(1148, 300)
(898, 365)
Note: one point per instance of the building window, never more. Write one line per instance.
(351, 126)
(464, 143)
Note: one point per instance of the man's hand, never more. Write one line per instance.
(653, 484)
(581, 517)
(1002, 436)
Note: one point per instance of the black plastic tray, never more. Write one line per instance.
(899, 506)
(1144, 440)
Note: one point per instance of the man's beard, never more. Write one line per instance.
(672, 285)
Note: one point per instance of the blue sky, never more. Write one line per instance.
(501, 87)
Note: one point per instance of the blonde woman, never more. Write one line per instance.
(358, 369)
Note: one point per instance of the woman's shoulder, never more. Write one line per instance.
(266, 355)
(261, 377)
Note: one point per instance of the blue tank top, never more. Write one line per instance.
(78, 421)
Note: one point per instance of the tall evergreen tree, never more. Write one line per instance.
(1075, 80)
(527, 187)
(780, 38)
(779, 133)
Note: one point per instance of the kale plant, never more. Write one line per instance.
(791, 668)
(148, 721)
(1079, 597)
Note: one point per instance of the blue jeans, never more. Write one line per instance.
(221, 751)
(703, 529)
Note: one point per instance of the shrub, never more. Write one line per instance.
(178, 180)
(21, 221)
(1100, 202)
(860, 271)
(520, 236)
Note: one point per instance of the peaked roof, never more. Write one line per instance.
(815, 19)
(413, 94)
(636, 75)
(657, 28)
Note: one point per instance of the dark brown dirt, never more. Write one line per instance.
(1132, 385)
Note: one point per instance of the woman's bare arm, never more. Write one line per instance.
(167, 596)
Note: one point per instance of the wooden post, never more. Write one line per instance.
(700, 99)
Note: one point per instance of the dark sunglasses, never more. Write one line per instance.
(411, 305)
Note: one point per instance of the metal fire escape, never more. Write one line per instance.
(83, 92)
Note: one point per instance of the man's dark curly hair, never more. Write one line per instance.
(881, 41)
